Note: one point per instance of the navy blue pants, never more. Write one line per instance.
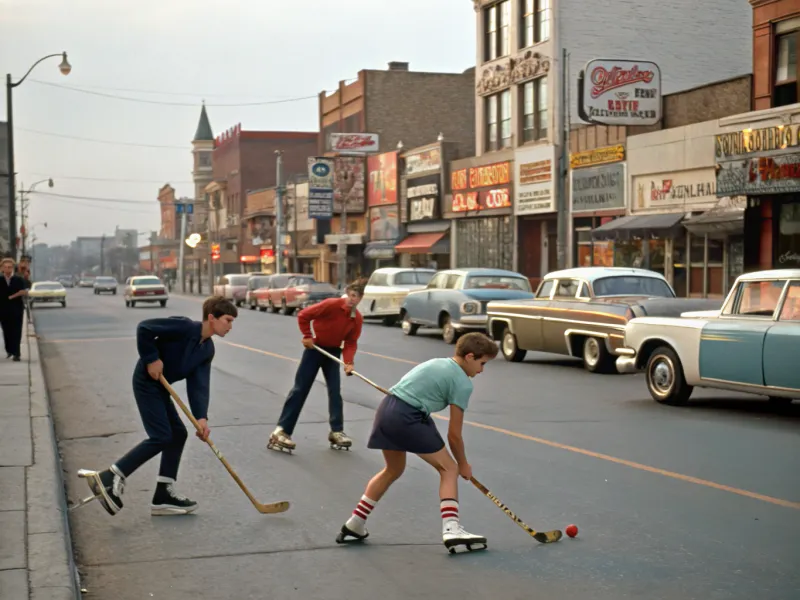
(11, 322)
(310, 363)
(166, 433)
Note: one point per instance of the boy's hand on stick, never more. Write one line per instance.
(465, 471)
(348, 369)
(155, 369)
(203, 435)
(308, 343)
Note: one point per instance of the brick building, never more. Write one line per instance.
(243, 161)
(519, 102)
(757, 153)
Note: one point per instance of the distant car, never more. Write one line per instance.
(232, 286)
(256, 282)
(47, 292)
(303, 291)
(145, 288)
(105, 284)
(387, 288)
(750, 345)
(86, 282)
(582, 313)
(455, 300)
(66, 281)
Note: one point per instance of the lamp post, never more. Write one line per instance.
(23, 212)
(65, 69)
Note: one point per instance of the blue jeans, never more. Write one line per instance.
(310, 363)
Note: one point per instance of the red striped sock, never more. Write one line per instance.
(449, 508)
(363, 510)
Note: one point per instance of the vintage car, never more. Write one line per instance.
(256, 282)
(750, 345)
(582, 313)
(145, 288)
(387, 288)
(105, 284)
(455, 300)
(47, 292)
(303, 291)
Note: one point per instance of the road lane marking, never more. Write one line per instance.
(259, 351)
(87, 340)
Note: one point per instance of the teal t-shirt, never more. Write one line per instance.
(433, 385)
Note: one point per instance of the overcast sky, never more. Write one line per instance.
(231, 52)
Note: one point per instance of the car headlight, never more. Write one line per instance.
(470, 308)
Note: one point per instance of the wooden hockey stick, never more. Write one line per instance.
(264, 509)
(545, 537)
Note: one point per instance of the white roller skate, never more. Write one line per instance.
(454, 535)
(280, 440)
(339, 441)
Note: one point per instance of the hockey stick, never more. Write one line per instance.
(545, 537)
(264, 509)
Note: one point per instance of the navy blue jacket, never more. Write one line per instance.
(177, 342)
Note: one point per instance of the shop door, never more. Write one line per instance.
(530, 248)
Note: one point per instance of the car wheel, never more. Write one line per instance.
(252, 306)
(449, 333)
(665, 379)
(64, 304)
(163, 303)
(272, 308)
(133, 304)
(596, 358)
(389, 321)
(778, 401)
(408, 327)
(511, 352)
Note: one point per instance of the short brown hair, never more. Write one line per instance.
(476, 343)
(357, 287)
(219, 306)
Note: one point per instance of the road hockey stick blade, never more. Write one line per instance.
(545, 537)
(359, 375)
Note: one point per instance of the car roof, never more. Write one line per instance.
(771, 274)
(392, 270)
(482, 271)
(42, 282)
(593, 273)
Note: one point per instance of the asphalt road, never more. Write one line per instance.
(672, 503)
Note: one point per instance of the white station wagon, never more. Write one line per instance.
(387, 288)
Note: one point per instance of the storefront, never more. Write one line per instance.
(383, 215)
(535, 210)
(761, 161)
(482, 211)
(422, 192)
(597, 197)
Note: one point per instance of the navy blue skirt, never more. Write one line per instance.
(400, 426)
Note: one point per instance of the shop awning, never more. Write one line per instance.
(422, 243)
(639, 226)
(727, 217)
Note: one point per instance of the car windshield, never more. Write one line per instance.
(322, 287)
(238, 279)
(257, 283)
(413, 278)
(304, 281)
(497, 282)
(49, 286)
(632, 285)
(147, 281)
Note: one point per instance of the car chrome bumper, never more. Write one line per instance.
(626, 363)
(148, 298)
(472, 322)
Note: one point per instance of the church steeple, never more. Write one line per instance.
(204, 133)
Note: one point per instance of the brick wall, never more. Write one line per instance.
(170, 225)
(414, 107)
(765, 14)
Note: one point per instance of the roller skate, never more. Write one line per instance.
(453, 535)
(106, 486)
(339, 441)
(280, 440)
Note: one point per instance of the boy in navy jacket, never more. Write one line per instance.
(179, 348)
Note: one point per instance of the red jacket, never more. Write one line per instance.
(334, 323)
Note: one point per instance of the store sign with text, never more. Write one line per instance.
(423, 162)
(598, 188)
(749, 142)
(691, 190)
(353, 142)
(423, 200)
(621, 92)
(534, 180)
(762, 175)
(382, 177)
(481, 188)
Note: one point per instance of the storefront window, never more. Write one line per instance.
(735, 259)
(487, 242)
(788, 242)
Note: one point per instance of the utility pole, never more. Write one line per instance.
(296, 232)
(341, 247)
(563, 171)
(102, 253)
(182, 207)
(279, 208)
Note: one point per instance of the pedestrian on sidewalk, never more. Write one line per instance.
(336, 321)
(13, 290)
(179, 348)
(403, 424)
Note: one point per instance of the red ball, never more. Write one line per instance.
(572, 530)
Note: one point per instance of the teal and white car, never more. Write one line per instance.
(751, 345)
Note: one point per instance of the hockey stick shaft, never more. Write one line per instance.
(359, 375)
(261, 507)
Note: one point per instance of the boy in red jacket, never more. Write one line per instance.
(336, 321)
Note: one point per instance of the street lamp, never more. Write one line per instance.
(65, 69)
(23, 212)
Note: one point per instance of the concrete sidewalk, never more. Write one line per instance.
(36, 559)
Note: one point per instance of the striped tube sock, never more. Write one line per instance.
(449, 508)
(358, 521)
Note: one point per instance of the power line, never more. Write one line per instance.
(96, 141)
(95, 198)
(99, 206)
(158, 92)
(160, 102)
(108, 179)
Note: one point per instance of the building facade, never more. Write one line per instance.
(197, 259)
(776, 26)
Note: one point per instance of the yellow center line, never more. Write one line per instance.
(259, 351)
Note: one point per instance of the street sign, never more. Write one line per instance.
(179, 208)
(320, 188)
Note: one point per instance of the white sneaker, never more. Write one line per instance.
(453, 534)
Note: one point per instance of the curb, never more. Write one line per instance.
(52, 571)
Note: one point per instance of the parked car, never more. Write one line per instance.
(86, 282)
(232, 286)
(47, 292)
(582, 312)
(105, 284)
(145, 288)
(66, 280)
(274, 295)
(455, 300)
(304, 290)
(256, 282)
(387, 288)
(750, 345)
